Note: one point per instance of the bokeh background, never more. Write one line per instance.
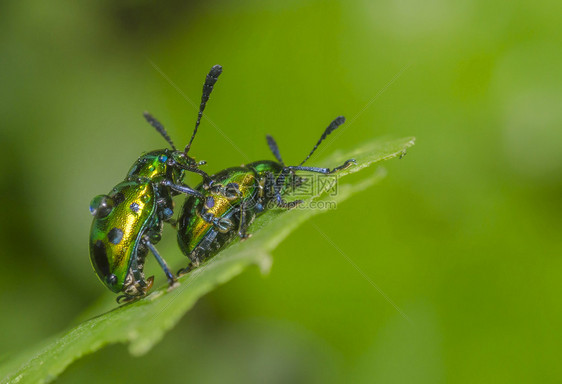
(464, 234)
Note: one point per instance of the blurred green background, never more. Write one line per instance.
(464, 234)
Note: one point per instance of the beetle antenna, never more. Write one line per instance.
(331, 128)
(159, 127)
(274, 148)
(210, 81)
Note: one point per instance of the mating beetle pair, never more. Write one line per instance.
(129, 220)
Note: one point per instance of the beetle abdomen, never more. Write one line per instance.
(198, 237)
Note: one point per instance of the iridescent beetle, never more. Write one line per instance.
(236, 196)
(129, 220)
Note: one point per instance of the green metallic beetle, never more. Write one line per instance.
(236, 196)
(129, 220)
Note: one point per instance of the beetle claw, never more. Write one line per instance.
(244, 236)
(186, 270)
(173, 285)
(149, 283)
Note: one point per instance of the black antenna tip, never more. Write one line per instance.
(334, 124)
(210, 81)
(216, 70)
(152, 121)
(274, 148)
(331, 128)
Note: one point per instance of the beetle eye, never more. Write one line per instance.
(101, 206)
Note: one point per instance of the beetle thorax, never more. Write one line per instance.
(150, 165)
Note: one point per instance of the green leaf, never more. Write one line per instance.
(143, 323)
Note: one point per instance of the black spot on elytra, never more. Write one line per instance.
(115, 235)
(100, 258)
(118, 198)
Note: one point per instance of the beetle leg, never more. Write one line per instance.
(193, 263)
(286, 204)
(231, 191)
(325, 171)
(190, 267)
(222, 224)
(244, 224)
(166, 211)
(279, 182)
(206, 178)
(181, 188)
(262, 183)
(121, 299)
(163, 265)
(206, 216)
(185, 270)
